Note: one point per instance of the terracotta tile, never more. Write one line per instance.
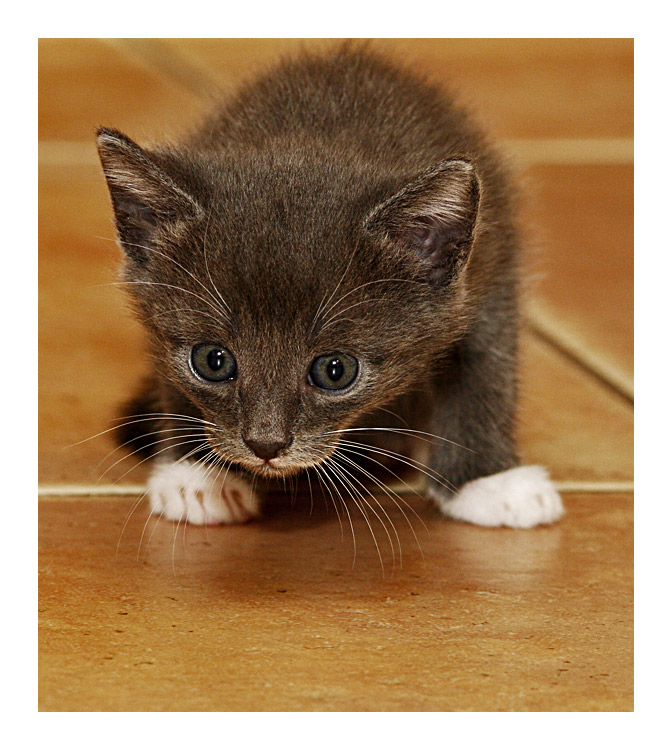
(273, 616)
(93, 352)
(583, 220)
(563, 415)
(84, 83)
(520, 87)
(89, 347)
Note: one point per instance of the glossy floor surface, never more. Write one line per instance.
(289, 613)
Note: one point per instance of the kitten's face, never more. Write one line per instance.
(277, 313)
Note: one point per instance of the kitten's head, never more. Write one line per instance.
(287, 293)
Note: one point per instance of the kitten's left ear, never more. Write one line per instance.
(435, 216)
(143, 195)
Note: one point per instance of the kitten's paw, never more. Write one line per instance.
(520, 498)
(191, 491)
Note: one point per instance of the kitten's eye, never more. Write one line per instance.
(333, 371)
(213, 362)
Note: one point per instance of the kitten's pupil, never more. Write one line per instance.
(216, 359)
(335, 370)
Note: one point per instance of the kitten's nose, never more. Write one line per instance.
(268, 449)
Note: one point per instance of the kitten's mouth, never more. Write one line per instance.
(273, 468)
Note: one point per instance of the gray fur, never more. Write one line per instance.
(338, 203)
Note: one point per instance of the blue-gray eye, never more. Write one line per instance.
(213, 362)
(333, 371)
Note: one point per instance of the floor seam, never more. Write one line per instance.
(531, 151)
(130, 490)
(552, 333)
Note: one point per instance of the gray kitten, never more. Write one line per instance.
(327, 269)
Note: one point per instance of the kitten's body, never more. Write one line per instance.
(337, 205)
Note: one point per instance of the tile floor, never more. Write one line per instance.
(273, 615)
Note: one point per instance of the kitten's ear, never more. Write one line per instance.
(435, 216)
(143, 196)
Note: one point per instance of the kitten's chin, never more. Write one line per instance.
(275, 468)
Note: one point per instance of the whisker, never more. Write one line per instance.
(401, 431)
(205, 258)
(340, 281)
(132, 510)
(394, 496)
(169, 286)
(145, 445)
(179, 265)
(199, 440)
(373, 510)
(335, 316)
(323, 486)
(148, 417)
(138, 450)
(350, 489)
(413, 463)
(394, 414)
(181, 309)
(369, 283)
(325, 466)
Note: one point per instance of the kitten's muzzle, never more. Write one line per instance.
(268, 449)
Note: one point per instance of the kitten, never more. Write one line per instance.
(327, 270)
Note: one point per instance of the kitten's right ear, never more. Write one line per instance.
(143, 196)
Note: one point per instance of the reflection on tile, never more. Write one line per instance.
(495, 620)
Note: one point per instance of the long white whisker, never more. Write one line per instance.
(369, 283)
(413, 463)
(179, 265)
(132, 510)
(200, 440)
(336, 458)
(401, 431)
(340, 281)
(325, 466)
(149, 417)
(145, 445)
(350, 489)
(153, 443)
(323, 483)
(335, 316)
(207, 267)
(394, 496)
(216, 308)
(181, 309)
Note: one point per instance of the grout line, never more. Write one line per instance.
(568, 486)
(572, 151)
(549, 329)
(68, 153)
(90, 490)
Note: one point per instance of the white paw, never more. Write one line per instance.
(520, 498)
(200, 494)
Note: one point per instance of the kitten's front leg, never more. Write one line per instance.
(474, 401)
(198, 493)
